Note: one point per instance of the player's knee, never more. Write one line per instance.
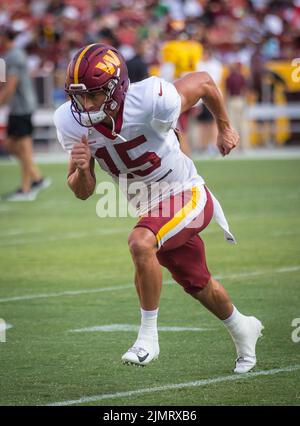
(141, 242)
(140, 250)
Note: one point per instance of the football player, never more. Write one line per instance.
(129, 131)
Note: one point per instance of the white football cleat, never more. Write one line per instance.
(141, 353)
(244, 364)
(245, 346)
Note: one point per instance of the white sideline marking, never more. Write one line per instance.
(130, 327)
(197, 383)
(127, 286)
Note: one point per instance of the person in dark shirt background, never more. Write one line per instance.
(18, 93)
(137, 67)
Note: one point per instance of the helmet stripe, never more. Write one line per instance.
(79, 60)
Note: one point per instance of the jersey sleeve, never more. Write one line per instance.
(64, 124)
(166, 106)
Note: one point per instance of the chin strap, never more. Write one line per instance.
(113, 130)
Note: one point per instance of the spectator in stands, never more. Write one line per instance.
(18, 93)
(257, 64)
(236, 88)
(225, 24)
(52, 30)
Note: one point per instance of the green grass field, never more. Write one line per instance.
(57, 244)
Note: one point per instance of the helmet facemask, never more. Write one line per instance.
(90, 118)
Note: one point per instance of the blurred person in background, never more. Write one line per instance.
(208, 131)
(236, 90)
(180, 55)
(19, 94)
(137, 67)
(257, 68)
(261, 86)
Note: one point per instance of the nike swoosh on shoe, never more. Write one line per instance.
(143, 358)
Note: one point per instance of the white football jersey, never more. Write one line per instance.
(151, 152)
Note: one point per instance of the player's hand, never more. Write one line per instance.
(81, 154)
(228, 138)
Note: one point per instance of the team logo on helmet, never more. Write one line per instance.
(109, 63)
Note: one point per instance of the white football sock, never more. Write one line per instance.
(244, 331)
(148, 329)
(235, 323)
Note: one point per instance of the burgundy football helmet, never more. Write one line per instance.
(96, 68)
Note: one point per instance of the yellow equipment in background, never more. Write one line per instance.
(183, 54)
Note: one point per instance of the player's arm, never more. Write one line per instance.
(8, 89)
(81, 174)
(199, 85)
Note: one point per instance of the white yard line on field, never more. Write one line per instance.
(127, 286)
(283, 233)
(13, 232)
(62, 236)
(257, 273)
(64, 293)
(173, 386)
(4, 209)
(130, 327)
(288, 269)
